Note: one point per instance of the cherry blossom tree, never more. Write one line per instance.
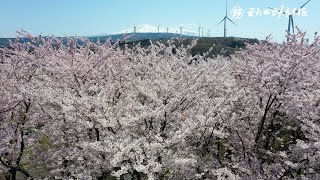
(277, 107)
(74, 109)
(139, 107)
(17, 70)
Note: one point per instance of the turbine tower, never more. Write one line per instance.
(290, 23)
(134, 32)
(202, 31)
(225, 21)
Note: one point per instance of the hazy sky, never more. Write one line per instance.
(90, 17)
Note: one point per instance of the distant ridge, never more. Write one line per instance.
(147, 28)
(139, 36)
(4, 42)
(220, 45)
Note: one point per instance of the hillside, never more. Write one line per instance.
(220, 45)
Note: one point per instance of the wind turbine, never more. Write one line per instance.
(134, 32)
(202, 32)
(225, 21)
(290, 23)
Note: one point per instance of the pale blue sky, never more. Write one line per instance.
(90, 17)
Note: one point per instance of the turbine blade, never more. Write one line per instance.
(231, 20)
(222, 20)
(226, 8)
(305, 4)
(276, 9)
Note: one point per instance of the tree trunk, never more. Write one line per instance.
(13, 174)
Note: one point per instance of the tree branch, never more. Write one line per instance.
(262, 122)
(6, 110)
